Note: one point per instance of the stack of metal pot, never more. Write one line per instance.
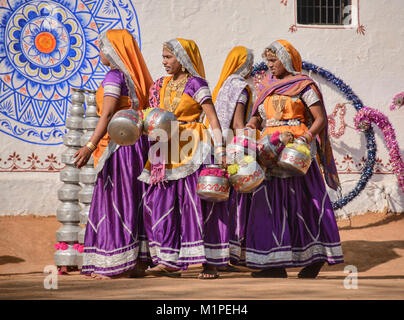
(87, 175)
(68, 213)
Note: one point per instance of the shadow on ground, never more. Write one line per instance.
(10, 259)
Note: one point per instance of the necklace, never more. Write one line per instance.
(278, 103)
(178, 87)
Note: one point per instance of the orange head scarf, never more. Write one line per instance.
(187, 53)
(240, 61)
(287, 54)
(122, 51)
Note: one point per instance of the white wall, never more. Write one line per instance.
(371, 64)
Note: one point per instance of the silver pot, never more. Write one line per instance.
(68, 212)
(86, 193)
(293, 161)
(72, 138)
(70, 175)
(87, 175)
(266, 153)
(66, 257)
(77, 96)
(68, 232)
(90, 123)
(248, 177)
(125, 127)
(69, 192)
(68, 156)
(158, 119)
(213, 188)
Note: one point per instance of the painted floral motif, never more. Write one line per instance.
(48, 47)
(32, 163)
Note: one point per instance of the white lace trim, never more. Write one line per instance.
(245, 69)
(117, 63)
(202, 94)
(284, 56)
(112, 90)
(175, 46)
(310, 97)
(291, 255)
(185, 253)
(200, 157)
(263, 115)
(102, 261)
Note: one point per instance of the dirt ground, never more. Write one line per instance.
(373, 243)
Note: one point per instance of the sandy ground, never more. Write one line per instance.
(373, 243)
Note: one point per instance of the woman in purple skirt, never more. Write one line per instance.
(291, 221)
(232, 98)
(183, 229)
(115, 243)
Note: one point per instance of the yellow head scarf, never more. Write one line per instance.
(187, 53)
(122, 51)
(236, 59)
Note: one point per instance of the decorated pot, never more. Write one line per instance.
(160, 119)
(294, 161)
(213, 184)
(125, 127)
(248, 177)
(240, 146)
(266, 152)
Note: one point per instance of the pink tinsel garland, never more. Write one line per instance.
(364, 118)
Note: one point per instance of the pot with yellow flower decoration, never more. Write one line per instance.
(246, 175)
(125, 127)
(295, 158)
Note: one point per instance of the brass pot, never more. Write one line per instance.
(213, 188)
(125, 127)
(248, 177)
(294, 162)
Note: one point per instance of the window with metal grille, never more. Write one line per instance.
(329, 12)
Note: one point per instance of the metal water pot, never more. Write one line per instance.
(213, 188)
(248, 177)
(293, 161)
(266, 152)
(125, 127)
(158, 119)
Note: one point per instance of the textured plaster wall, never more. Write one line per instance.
(371, 63)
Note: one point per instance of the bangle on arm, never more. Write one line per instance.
(308, 136)
(91, 146)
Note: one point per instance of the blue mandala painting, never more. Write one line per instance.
(47, 48)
